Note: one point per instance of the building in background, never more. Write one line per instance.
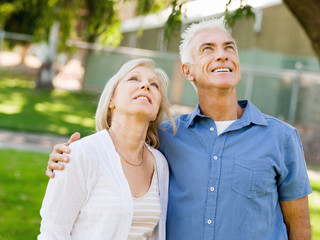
(280, 72)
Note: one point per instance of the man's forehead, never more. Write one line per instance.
(211, 35)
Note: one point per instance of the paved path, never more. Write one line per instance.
(29, 141)
(44, 143)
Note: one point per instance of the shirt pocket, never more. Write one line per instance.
(253, 177)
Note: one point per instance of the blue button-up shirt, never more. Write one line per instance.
(228, 187)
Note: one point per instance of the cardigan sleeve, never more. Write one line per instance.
(64, 197)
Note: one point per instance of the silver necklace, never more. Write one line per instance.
(132, 164)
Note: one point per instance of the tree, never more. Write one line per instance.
(307, 13)
(99, 21)
(47, 20)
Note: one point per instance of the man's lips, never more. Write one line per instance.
(221, 69)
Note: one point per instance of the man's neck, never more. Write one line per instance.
(220, 107)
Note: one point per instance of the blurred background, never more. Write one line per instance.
(56, 56)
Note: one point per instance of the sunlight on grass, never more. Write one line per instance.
(52, 107)
(9, 109)
(16, 82)
(12, 104)
(26, 108)
(86, 122)
(60, 93)
(314, 202)
(58, 129)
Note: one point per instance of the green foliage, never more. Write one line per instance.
(112, 35)
(35, 17)
(150, 6)
(173, 24)
(99, 19)
(243, 11)
(5, 10)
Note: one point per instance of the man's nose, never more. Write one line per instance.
(221, 55)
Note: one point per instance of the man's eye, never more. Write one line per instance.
(206, 49)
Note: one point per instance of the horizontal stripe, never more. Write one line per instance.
(147, 211)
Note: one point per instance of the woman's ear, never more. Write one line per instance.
(187, 71)
(111, 105)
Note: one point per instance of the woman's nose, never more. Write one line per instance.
(145, 86)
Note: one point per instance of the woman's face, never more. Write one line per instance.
(138, 93)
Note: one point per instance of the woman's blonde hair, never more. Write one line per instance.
(104, 115)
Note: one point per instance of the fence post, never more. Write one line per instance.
(1, 41)
(249, 85)
(294, 93)
(1, 38)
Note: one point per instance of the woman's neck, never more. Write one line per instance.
(128, 133)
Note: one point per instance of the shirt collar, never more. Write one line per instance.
(193, 115)
(250, 115)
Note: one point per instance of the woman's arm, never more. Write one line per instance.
(64, 197)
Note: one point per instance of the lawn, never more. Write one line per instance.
(22, 187)
(25, 108)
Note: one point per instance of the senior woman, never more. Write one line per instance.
(116, 183)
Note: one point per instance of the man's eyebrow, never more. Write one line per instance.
(206, 44)
(230, 43)
(213, 44)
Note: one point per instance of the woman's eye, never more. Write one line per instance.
(155, 85)
(133, 79)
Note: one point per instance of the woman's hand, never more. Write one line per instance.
(57, 155)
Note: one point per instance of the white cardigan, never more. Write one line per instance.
(91, 198)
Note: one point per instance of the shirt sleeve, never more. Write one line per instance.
(293, 182)
(64, 197)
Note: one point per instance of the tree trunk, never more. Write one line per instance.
(47, 71)
(307, 12)
(24, 53)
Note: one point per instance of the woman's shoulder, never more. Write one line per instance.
(90, 142)
(159, 157)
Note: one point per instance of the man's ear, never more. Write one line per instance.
(186, 69)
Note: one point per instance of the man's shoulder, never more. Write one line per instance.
(180, 119)
(277, 123)
(272, 122)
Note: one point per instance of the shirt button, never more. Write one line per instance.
(209, 221)
(211, 129)
(215, 157)
(212, 189)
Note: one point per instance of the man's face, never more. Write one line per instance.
(215, 60)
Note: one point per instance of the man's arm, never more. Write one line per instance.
(57, 155)
(297, 219)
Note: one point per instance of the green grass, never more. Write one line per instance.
(314, 205)
(25, 108)
(22, 187)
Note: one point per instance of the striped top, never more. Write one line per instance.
(147, 211)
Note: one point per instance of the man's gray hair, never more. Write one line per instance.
(188, 34)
